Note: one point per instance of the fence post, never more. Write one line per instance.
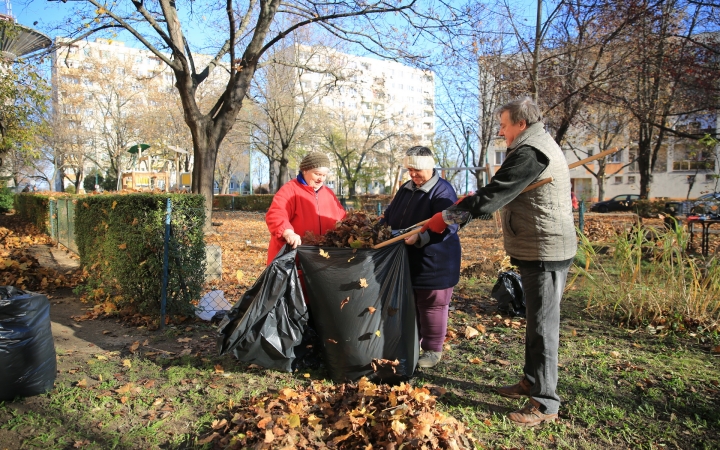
(53, 225)
(581, 217)
(166, 251)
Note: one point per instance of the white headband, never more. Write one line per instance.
(419, 162)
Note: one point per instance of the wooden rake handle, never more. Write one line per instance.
(420, 224)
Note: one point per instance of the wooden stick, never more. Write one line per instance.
(529, 188)
(593, 158)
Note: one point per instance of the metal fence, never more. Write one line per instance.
(62, 222)
(179, 225)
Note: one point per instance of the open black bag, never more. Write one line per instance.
(28, 363)
(509, 293)
(267, 323)
(364, 311)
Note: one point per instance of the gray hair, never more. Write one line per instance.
(419, 150)
(522, 109)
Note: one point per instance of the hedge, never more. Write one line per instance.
(260, 202)
(120, 242)
(6, 199)
(34, 208)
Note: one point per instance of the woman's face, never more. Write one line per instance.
(420, 177)
(315, 177)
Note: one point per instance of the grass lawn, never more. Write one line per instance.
(622, 388)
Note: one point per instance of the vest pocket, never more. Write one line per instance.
(507, 223)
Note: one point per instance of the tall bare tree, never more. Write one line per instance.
(247, 31)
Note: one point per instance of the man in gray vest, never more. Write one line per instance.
(539, 235)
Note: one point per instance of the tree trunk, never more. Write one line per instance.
(203, 175)
(283, 170)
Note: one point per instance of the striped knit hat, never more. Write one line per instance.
(313, 161)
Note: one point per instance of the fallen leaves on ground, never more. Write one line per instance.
(19, 268)
(353, 415)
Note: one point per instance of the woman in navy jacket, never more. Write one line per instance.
(434, 258)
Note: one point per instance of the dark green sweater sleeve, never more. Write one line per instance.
(521, 167)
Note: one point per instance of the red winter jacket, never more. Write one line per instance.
(300, 208)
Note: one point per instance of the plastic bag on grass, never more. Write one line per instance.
(265, 325)
(509, 293)
(27, 352)
(364, 311)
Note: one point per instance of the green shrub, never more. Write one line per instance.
(70, 189)
(120, 240)
(6, 199)
(34, 208)
(650, 208)
(242, 202)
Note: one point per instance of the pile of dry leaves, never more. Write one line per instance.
(19, 268)
(348, 416)
(356, 230)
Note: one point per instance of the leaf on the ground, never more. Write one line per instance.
(106, 332)
(262, 424)
(371, 309)
(475, 360)
(306, 375)
(574, 332)
(363, 283)
(254, 366)
(293, 420)
(122, 246)
(269, 436)
(133, 348)
(219, 369)
(614, 354)
(344, 302)
(101, 357)
(183, 340)
(209, 439)
(127, 363)
(82, 383)
(124, 389)
(502, 362)
(80, 444)
(324, 254)
(217, 424)
(239, 275)
(716, 349)
(471, 332)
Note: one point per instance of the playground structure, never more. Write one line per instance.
(153, 171)
(19, 40)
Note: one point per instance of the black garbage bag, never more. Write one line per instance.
(28, 363)
(509, 293)
(363, 308)
(265, 325)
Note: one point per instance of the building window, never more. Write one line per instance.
(499, 158)
(615, 157)
(618, 180)
(631, 179)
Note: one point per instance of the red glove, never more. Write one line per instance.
(436, 224)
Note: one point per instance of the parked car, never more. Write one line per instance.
(624, 202)
(701, 205)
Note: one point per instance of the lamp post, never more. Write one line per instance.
(467, 159)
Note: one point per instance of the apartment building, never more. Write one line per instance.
(391, 101)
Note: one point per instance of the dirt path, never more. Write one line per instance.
(81, 337)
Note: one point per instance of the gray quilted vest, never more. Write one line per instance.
(538, 225)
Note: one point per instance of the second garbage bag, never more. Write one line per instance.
(266, 324)
(363, 307)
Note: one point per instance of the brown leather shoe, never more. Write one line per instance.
(530, 415)
(516, 390)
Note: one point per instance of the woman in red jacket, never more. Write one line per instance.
(301, 205)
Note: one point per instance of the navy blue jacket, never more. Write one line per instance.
(436, 263)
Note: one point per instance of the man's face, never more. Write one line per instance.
(510, 130)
